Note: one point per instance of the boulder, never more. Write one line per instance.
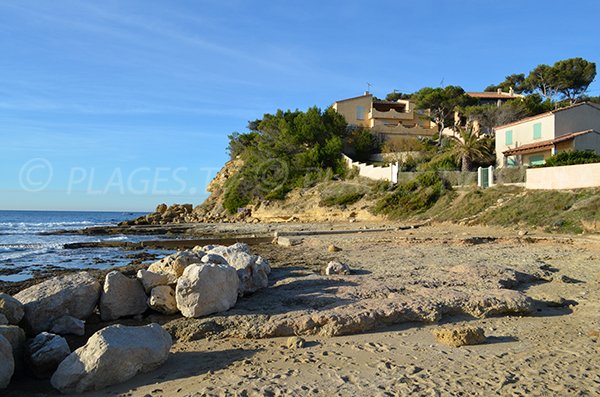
(162, 299)
(11, 308)
(459, 335)
(112, 355)
(3, 319)
(68, 325)
(45, 352)
(174, 264)
(335, 267)
(288, 241)
(121, 296)
(7, 364)
(74, 294)
(16, 337)
(333, 248)
(214, 258)
(161, 208)
(205, 289)
(150, 279)
(295, 342)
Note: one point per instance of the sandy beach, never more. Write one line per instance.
(361, 341)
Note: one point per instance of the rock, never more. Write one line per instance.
(295, 342)
(7, 364)
(112, 355)
(121, 296)
(254, 276)
(522, 233)
(459, 335)
(174, 264)
(150, 279)
(565, 279)
(288, 241)
(45, 352)
(68, 325)
(3, 319)
(335, 267)
(74, 294)
(11, 308)
(214, 258)
(332, 248)
(16, 338)
(161, 208)
(205, 289)
(162, 299)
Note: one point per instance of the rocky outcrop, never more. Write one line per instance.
(162, 299)
(68, 325)
(11, 308)
(459, 335)
(45, 352)
(112, 355)
(7, 364)
(206, 289)
(121, 297)
(74, 294)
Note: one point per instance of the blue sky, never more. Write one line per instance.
(121, 105)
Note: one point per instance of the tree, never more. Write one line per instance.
(543, 80)
(363, 143)
(394, 96)
(514, 81)
(441, 102)
(573, 77)
(470, 148)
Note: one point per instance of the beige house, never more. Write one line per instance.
(531, 140)
(389, 119)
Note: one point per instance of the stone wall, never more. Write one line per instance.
(566, 177)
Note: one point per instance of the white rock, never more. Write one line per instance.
(112, 355)
(215, 259)
(335, 267)
(74, 294)
(205, 289)
(174, 264)
(68, 325)
(7, 364)
(11, 308)
(121, 296)
(150, 279)
(45, 352)
(288, 241)
(162, 299)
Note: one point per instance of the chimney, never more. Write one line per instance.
(367, 93)
(511, 91)
(499, 90)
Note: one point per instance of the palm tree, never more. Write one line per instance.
(469, 148)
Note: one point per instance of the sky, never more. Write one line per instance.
(122, 105)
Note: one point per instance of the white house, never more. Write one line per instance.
(531, 140)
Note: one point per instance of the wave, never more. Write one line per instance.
(19, 251)
(37, 227)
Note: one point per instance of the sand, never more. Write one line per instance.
(447, 271)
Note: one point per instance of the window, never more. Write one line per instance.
(537, 130)
(360, 113)
(508, 138)
(536, 159)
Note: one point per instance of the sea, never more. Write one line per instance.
(25, 248)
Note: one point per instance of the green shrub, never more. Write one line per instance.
(572, 158)
(346, 198)
(413, 197)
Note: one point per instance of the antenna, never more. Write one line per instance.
(369, 85)
(442, 83)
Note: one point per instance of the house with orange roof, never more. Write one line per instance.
(530, 141)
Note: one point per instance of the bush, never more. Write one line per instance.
(572, 158)
(341, 200)
(413, 197)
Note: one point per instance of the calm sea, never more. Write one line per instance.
(24, 249)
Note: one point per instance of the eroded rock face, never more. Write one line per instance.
(7, 364)
(74, 294)
(11, 308)
(175, 264)
(459, 335)
(112, 355)
(206, 289)
(45, 352)
(121, 296)
(162, 299)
